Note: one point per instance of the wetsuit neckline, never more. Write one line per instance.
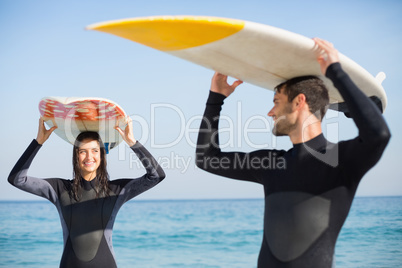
(317, 143)
(88, 185)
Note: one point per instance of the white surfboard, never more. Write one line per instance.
(73, 115)
(255, 53)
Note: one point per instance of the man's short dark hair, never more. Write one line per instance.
(312, 87)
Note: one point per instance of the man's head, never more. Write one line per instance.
(308, 89)
(312, 87)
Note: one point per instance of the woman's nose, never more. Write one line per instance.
(88, 155)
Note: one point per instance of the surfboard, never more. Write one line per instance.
(259, 54)
(73, 115)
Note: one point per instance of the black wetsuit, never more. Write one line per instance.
(308, 189)
(87, 224)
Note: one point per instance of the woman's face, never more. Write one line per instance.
(89, 158)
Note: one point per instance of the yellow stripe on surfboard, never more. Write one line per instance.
(168, 33)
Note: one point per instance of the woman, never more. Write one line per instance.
(88, 204)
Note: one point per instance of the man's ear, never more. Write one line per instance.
(300, 101)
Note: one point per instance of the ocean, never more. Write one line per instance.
(196, 233)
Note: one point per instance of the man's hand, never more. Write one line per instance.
(220, 85)
(328, 54)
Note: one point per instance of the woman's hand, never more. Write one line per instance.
(328, 54)
(127, 134)
(43, 133)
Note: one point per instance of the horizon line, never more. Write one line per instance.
(190, 199)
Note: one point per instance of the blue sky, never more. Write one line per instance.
(46, 51)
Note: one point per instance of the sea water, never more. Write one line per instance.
(196, 233)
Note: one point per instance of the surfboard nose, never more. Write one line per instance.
(168, 33)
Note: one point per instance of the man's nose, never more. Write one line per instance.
(271, 113)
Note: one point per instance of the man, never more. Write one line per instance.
(307, 197)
